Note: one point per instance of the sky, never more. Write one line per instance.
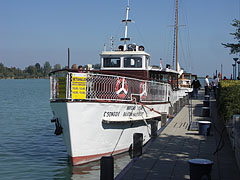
(35, 31)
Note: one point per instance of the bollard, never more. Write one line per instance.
(200, 169)
(206, 103)
(182, 103)
(106, 168)
(170, 111)
(175, 107)
(154, 128)
(205, 111)
(137, 144)
(187, 99)
(178, 105)
(207, 97)
(164, 119)
(204, 128)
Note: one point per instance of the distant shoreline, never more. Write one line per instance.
(24, 78)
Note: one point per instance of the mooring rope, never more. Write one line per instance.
(151, 109)
(144, 120)
(117, 142)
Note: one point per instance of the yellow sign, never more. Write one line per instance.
(62, 87)
(78, 87)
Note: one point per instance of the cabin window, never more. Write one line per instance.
(111, 62)
(133, 62)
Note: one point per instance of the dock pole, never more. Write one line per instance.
(137, 144)
(106, 168)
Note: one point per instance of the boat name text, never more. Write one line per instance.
(111, 114)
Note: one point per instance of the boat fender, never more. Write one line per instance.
(121, 87)
(58, 129)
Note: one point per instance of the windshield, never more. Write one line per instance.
(133, 62)
(111, 62)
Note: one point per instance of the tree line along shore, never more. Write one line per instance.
(32, 71)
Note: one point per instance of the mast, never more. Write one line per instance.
(177, 36)
(126, 21)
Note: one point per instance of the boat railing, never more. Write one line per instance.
(73, 86)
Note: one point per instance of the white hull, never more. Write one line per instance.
(87, 137)
(92, 129)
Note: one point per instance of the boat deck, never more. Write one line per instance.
(167, 157)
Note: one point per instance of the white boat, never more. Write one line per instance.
(98, 111)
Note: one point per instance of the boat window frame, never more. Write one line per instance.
(135, 58)
(116, 65)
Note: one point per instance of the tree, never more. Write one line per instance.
(234, 48)
(56, 67)
(47, 68)
(31, 70)
(96, 66)
(38, 67)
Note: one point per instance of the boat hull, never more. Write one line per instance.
(92, 129)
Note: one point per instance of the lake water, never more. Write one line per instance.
(28, 147)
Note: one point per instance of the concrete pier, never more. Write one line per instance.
(167, 156)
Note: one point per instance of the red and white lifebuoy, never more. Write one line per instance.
(121, 88)
(143, 90)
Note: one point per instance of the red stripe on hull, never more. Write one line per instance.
(86, 159)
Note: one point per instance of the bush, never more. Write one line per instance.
(228, 99)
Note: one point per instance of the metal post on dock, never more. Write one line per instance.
(189, 109)
(137, 144)
(170, 111)
(178, 105)
(206, 103)
(107, 168)
(205, 111)
(154, 128)
(164, 119)
(182, 103)
(175, 107)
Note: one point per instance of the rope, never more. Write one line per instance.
(117, 142)
(151, 109)
(144, 120)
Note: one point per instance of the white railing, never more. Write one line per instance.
(89, 86)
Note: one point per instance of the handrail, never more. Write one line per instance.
(91, 86)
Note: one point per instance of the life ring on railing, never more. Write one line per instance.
(121, 88)
(143, 90)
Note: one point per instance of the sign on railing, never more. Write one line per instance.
(78, 86)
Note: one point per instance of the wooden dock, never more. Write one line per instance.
(167, 156)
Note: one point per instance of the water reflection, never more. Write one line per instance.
(90, 170)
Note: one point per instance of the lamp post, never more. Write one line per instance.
(235, 75)
(234, 66)
(238, 70)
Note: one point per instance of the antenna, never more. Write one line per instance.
(68, 58)
(112, 43)
(105, 47)
(126, 21)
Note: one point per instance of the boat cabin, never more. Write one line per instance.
(135, 62)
